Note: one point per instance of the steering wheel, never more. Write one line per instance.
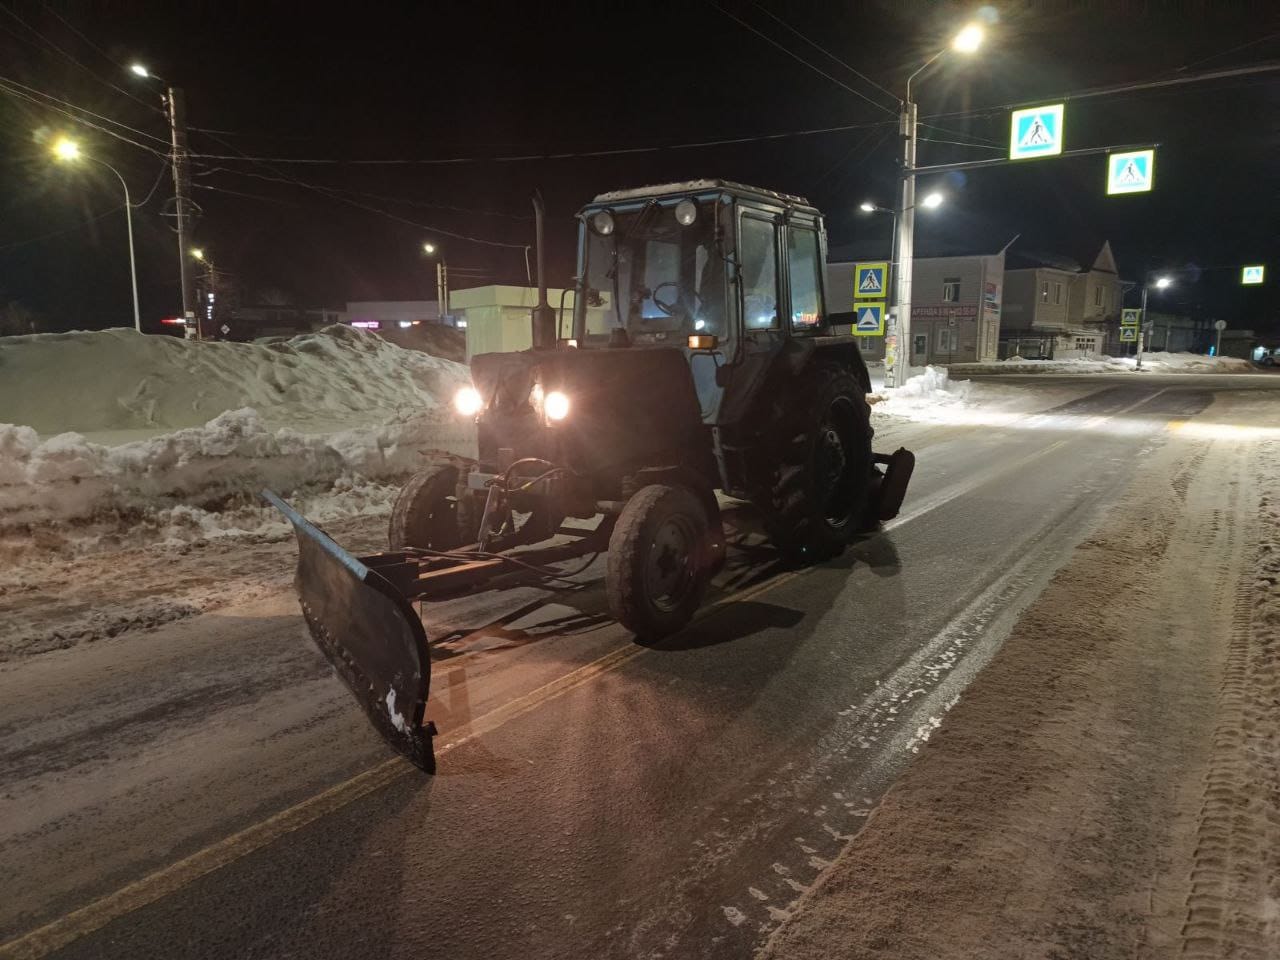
(670, 308)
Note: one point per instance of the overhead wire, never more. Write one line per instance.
(862, 76)
(795, 56)
(63, 53)
(58, 233)
(65, 107)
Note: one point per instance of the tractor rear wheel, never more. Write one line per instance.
(818, 499)
(428, 514)
(659, 561)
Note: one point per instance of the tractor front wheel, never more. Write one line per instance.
(428, 514)
(659, 561)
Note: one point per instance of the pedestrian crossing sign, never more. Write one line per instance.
(868, 319)
(1129, 317)
(1252, 275)
(1130, 172)
(1036, 132)
(1128, 334)
(869, 280)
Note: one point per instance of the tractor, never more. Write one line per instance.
(699, 358)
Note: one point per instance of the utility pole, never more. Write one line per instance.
(442, 289)
(177, 110)
(904, 230)
(1142, 323)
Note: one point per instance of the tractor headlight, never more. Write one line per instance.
(602, 223)
(556, 405)
(468, 401)
(686, 213)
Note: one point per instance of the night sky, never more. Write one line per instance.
(472, 82)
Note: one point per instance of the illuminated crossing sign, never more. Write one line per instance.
(1036, 132)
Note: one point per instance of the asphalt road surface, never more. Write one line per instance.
(206, 789)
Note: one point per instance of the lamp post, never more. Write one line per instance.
(442, 280)
(1160, 284)
(966, 41)
(198, 254)
(68, 151)
(176, 111)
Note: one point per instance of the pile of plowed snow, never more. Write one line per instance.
(212, 423)
(1157, 362)
(119, 380)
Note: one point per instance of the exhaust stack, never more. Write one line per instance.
(544, 318)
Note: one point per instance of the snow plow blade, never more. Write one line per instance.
(891, 489)
(369, 632)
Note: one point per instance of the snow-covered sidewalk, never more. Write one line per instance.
(1106, 787)
(1157, 362)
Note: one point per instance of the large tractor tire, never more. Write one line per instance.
(659, 561)
(428, 514)
(818, 499)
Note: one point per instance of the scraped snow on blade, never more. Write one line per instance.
(370, 634)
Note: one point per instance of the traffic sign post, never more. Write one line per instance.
(870, 280)
(869, 319)
(1219, 325)
(1036, 132)
(1252, 275)
(1130, 172)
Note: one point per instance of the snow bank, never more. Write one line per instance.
(1158, 362)
(120, 380)
(221, 465)
(930, 389)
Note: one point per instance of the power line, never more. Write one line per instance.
(33, 92)
(796, 56)
(57, 49)
(569, 155)
(59, 233)
(892, 96)
(384, 213)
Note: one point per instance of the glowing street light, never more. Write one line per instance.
(1163, 282)
(66, 150)
(428, 248)
(138, 70)
(969, 39)
(866, 206)
(198, 253)
(1160, 283)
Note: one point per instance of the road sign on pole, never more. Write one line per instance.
(1036, 132)
(1131, 172)
(870, 280)
(1128, 334)
(869, 319)
(1252, 274)
(1130, 317)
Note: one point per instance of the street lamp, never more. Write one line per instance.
(1161, 283)
(138, 70)
(67, 150)
(442, 280)
(932, 201)
(967, 41)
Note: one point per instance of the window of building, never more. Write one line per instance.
(806, 283)
(1044, 291)
(951, 290)
(1087, 344)
(948, 340)
(1057, 293)
(1097, 296)
(759, 274)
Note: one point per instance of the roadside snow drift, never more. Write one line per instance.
(1157, 362)
(321, 415)
(119, 380)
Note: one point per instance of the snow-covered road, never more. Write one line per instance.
(197, 787)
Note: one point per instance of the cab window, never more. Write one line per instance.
(805, 263)
(758, 257)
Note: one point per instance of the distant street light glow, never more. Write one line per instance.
(867, 206)
(138, 70)
(968, 39)
(66, 149)
(1163, 282)
(197, 253)
(428, 248)
(933, 200)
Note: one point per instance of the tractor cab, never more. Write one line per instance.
(726, 273)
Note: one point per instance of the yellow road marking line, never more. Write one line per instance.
(155, 886)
